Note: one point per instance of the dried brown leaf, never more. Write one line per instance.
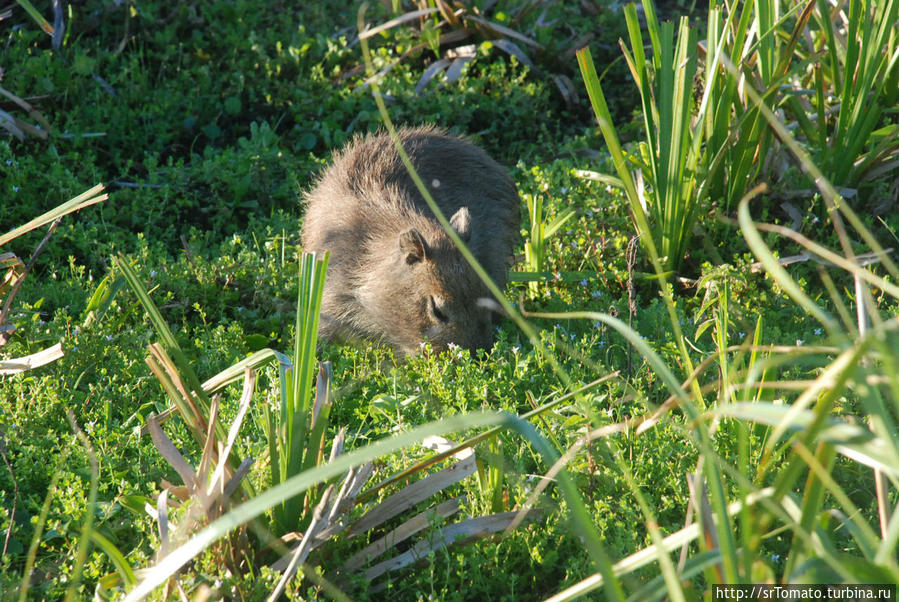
(412, 494)
(465, 531)
(516, 51)
(410, 16)
(402, 533)
(29, 362)
(502, 30)
(162, 519)
(172, 455)
(429, 74)
(249, 386)
(455, 69)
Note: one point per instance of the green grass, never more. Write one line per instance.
(222, 113)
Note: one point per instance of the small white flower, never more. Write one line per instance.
(109, 337)
(564, 189)
(435, 183)
(800, 342)
(515, 349)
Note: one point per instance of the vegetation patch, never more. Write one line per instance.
(695, 382)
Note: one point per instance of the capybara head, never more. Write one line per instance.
(426, 291)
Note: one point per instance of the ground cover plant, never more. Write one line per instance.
(696, 383)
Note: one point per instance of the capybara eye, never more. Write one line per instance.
(436, 311)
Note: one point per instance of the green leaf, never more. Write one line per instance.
(853, 441)
(118, 559)
(37, 16)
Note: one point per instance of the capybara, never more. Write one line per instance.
(394, 275)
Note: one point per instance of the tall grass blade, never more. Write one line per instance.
(87, 526)
(126, 574)
(170, 344)
(81, 201)
(755, 242)
(39, 524)
(237, 371)
(604, 118)
(649, 554)
(37, 16)
(851, 440)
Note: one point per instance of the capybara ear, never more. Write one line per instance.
(461, 223)
(413, 246)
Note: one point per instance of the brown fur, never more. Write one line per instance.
(394, 275)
